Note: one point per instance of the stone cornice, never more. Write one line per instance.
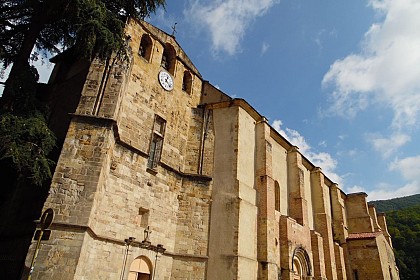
(111, 123)
(239, 102)
(85, 228)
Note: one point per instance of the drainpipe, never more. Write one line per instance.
(204, 130)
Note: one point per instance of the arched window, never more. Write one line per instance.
(277, 196)
(187, 82)
(169, 59)
(140, 269)
(145, 49)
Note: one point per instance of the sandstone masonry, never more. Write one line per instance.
(195, 171)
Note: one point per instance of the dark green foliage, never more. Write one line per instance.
(26, 141)
(28, 28)
(403, 219)
(396, 203)
(94, 27)
(24, 136)
(404, 227)
(98, 31)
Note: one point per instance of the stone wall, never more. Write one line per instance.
(224, 221)
(358, 216)
(314, 228)
(362, 250)
(229, 197)
(102, 190)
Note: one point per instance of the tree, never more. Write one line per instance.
(29, 28)
(93, 27)
(404, 227)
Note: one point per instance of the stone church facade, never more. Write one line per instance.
(163, 176)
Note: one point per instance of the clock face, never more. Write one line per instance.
(166, 81)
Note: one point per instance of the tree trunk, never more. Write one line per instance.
(45, 13)
(22, 59)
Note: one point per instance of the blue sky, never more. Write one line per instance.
(338, 78)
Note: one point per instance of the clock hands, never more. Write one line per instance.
(166, 80)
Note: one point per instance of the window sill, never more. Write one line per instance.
(143, 58)
(152, 170)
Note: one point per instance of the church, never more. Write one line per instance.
(163, 176)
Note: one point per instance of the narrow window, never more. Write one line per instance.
(277, 195)
(186, 82)
(145, 49)
(356, 274)
(168, 58)
(164, 62)
(156, 143)
(144, 217)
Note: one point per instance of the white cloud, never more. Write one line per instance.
(386, 71)
(355, 189)
(410, 170)
(352, 153)
(342, 137)
(277, 126)
(227, 20)
(318, 39)
(387, 146)
(324, 160)
(323, 144)
(409, 167)
(386, 192)
(264, 48)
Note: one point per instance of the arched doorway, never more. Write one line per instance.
(301, 264)
(297, 269)
(140, 269)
